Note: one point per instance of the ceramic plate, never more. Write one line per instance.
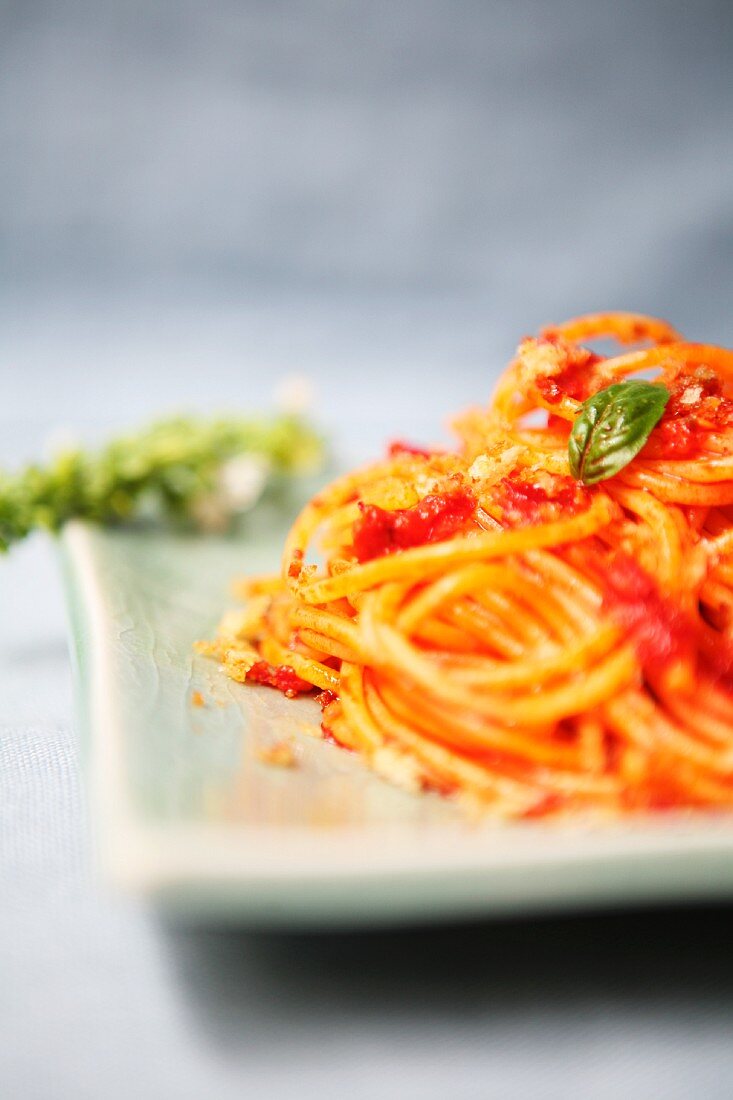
(188, 812)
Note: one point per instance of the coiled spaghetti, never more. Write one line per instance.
(486, 626)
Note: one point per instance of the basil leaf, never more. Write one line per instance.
(612, 427)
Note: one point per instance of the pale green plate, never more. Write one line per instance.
(188, 814)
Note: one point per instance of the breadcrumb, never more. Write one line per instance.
(280, 754)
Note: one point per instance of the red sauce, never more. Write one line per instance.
(282, 677)
(436, 517)
(577, 378)
(696, 407)
(545, 804)
(330, 699)
(677, 439)
(401, 447)
(661, 631)
(296, 565)
(525, 502)
(720, 660)
(327, 734)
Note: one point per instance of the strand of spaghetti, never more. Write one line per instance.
(716, 596)
(428, 716)
(323, 646)
(703, 471)
(611, 675)
(677, 740)
(434, 557)
(355, 711)
(591, 739)
(532, 631)
(443, 635)
(689, 355)
(665, 533)
(340, 492)
(475, 739)
(321, 676)
(448, 766)
(487, 629)
(583, 593)
(338, 627)
(627, 328)
(673, 490)
(721, 545)
(535, 672)
(720, 572)
(554, 609)
(472, 578)
(701, 790)
(689, 712)
(311, 516)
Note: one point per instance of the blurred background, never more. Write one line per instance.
(198, 200)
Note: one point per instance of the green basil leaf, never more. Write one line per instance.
(612, 427)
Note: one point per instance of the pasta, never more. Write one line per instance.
(487, 624)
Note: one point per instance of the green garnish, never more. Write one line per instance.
(176, 466)
(612, 427)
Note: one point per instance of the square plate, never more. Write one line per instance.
(187, 812)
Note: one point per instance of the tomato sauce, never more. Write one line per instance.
(296, 565)
(400, 447)
(697, 406)
(578, 378)
(719, 655)
(545, 804)
(436, 517)
(282, 677)
(662, 632)
(524, 502)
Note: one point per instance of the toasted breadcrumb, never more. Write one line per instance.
(237, 661)
(399, 768)
(280, 754)
(197, 699)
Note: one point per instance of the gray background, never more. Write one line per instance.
(197, 200)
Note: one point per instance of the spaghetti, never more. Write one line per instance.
(488, 626)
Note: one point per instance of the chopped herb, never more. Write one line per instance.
(177, 466)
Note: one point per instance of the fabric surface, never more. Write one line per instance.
(101, 998)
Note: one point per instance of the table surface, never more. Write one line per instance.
(100, 997)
